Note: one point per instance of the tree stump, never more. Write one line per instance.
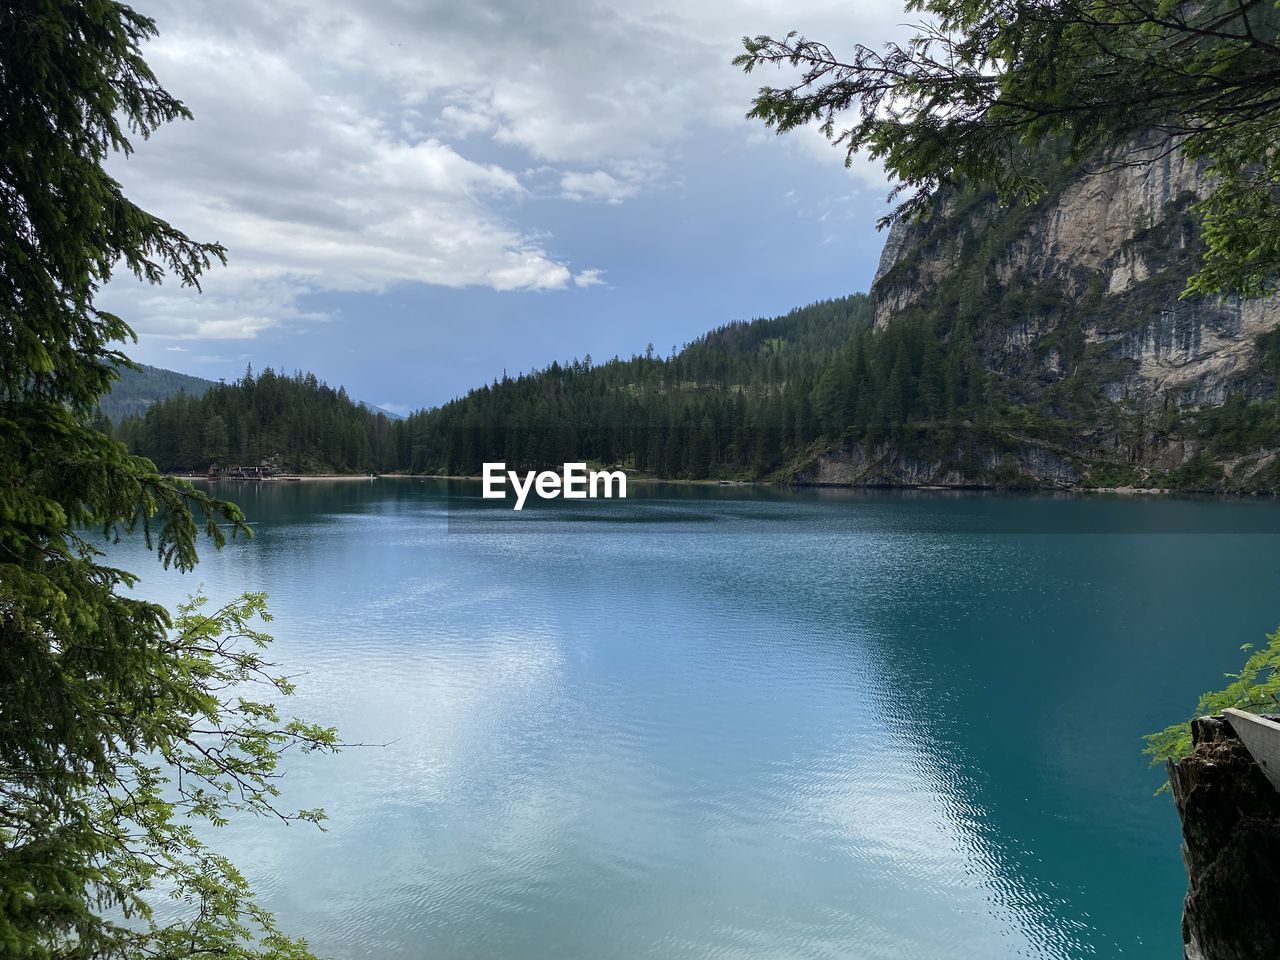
(1231, 847)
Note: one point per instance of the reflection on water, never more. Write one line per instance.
(736, 723)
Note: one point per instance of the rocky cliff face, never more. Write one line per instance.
(1115, 245)
(1091, 224)
(964, 465)
(1080, 295)
(1231, 847)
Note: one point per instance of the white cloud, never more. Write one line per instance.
(596, 185)
(589, 278)
(342, 147)
(809, 140)
(461, 122)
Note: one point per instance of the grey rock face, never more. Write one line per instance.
(858, 465)
(1100, 262)
(1121, 232)
(893, 243)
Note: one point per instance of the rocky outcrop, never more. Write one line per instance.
(1231, 847)
(1116, 243)
(1075, 306)
(965, 465)
(1092, 226)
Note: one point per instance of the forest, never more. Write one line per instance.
(749, 400)
(742, 401)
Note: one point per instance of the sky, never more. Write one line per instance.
(418, 195)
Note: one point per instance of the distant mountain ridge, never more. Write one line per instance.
(1040, 345)
(734, 403)
(137, 390)
(374, 408)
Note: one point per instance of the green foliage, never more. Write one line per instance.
(1198, 473)
(736, 402)
(306, 425)
(182, 730)
(972, 97)
(1113, 475)
(747, 400)
(758, 399)
(103, 699)
(1235, 426)
(1255, 689)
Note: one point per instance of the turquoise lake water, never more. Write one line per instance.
(736, 723)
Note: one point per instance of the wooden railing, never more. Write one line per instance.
(1261, 735)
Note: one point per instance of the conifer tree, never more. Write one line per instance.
(980, 87)
(103, 697)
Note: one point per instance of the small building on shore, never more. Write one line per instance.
(263, 471)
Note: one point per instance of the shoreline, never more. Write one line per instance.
(286, 478)
(924, 487)
(648, 479)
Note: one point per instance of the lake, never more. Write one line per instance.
(736, 722)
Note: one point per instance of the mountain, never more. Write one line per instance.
(300, 421)
(374, 408)
(738, 402)
(1042, 345)
(734, 403)
(136, 390)
(1096, 371)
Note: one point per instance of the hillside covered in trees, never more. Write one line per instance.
(306, 425)
(138, 389)
(796, 397)
(742, 401)
(1037, 345)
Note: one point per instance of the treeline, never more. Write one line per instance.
(308, 426)
(736, 402)
(743, 401)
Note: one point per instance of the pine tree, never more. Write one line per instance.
(102, 694)
(897, 397)
(217, 441)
